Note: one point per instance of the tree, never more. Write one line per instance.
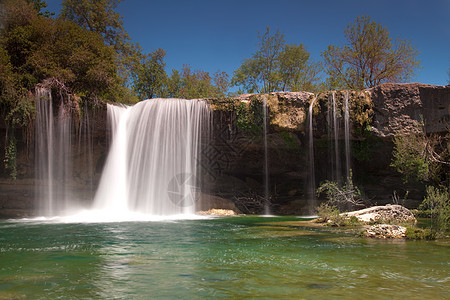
(277, 66)
(100, 16)
(260, 73)
(297, 73)
(419, 157)
(150, 76)
(370, 57)
(39, 5)
(38, 48)
(174, 85)
(196, 84)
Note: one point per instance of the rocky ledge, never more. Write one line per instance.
(217, 212)
(383, 214)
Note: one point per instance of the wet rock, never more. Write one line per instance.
(217, 212)
(385, 231)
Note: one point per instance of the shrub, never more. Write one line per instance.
(344, 196)
(332, 216)
(414, 233)
(438, 202)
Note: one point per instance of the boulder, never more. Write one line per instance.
(385, 231)
(389, 213)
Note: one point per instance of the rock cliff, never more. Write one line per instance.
(233, 158)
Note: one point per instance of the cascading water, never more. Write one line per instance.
(312, 180)
(53, 154)
(333, 138)
(337, 162)
(152, 165)
(347, 135)
(266, 161)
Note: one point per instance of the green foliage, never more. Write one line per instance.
(409, 158)
(277, 66)
(421, 158)
(437, 200)
(369, 58)
(344, 196)
(331, 215)
(415, 233)
(327, 212)
(250, 118)
(150, 76)
(99, 16)
(10, 157)
(288, 138)
(363, 149)
(39, 5)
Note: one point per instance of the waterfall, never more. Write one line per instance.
(266, 161)
(312, 179)
(347, 136)
(337, 162)
(152, 166)
(53, 151)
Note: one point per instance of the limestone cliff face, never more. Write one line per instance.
(406, 108)
(233, 158)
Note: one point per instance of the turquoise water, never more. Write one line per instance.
(236, 257)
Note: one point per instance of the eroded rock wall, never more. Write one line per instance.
(233, 157)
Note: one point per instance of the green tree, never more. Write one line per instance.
(260, 73)
(40, 48)
(196, 84)
(100, 16)
(369, 58)
(437, 200)
(297, 72)
(39, 5)
(277, 66)
(149, 76)
(174, 85)
(421, 158)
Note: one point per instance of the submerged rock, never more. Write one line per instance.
(386, 214)
(385, 231)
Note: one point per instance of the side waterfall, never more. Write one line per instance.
(53, 164)
(266, 161)
(312, 175)
(152, 167)
(347, 136)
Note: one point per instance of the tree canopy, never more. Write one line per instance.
(88, 51)
(277, 66)
(369, 58)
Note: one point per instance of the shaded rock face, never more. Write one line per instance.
(90, 142)
(405, 108)
(233, 158)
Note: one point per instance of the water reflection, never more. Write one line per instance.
(226, 257)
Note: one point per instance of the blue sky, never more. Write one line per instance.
(212, 35)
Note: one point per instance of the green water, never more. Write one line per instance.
(237, 257)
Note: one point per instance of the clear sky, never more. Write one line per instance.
(213, 35)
